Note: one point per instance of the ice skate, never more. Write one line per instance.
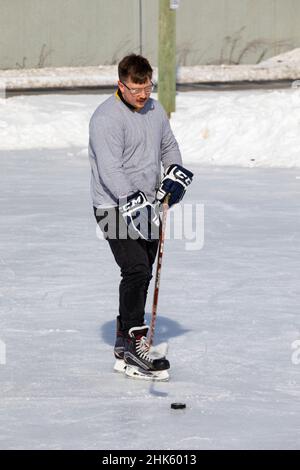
(140, 364)
(119, 347)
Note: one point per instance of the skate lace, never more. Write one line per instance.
(143, 349)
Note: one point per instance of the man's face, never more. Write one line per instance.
(138, 100)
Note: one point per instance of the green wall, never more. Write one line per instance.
(56, 33)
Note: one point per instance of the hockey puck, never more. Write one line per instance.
(178, 406)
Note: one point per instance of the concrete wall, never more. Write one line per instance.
(54, 33)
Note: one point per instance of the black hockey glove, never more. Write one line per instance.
(174, 182)
(141, 217)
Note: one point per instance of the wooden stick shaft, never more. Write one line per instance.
(158, 271)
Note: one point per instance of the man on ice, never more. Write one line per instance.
(130, 140)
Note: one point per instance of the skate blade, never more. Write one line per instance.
(120, 366)
(136, 373)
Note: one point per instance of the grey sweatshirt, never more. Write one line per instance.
(127, 149)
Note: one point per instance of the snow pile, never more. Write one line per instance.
(282, 67)
(245, 128)
(291, 58)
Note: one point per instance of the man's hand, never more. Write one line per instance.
(141, 217)
(174, 182)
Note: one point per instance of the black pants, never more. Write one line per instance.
(135, 259)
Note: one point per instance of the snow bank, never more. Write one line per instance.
(245, 128)
(282, 67)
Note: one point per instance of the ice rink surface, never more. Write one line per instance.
(230, 312)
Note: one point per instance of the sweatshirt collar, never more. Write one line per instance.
(119, 94)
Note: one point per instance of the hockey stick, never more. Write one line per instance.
(158, 269)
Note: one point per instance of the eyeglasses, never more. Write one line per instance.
(137, 91)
